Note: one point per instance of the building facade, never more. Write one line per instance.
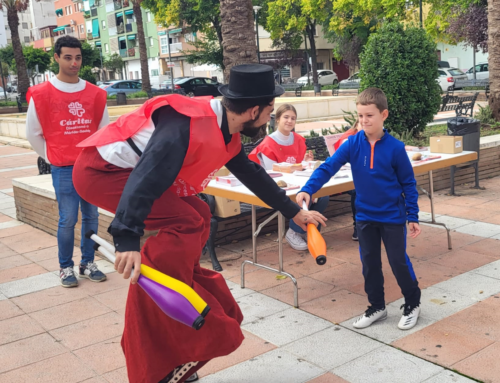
(25, 27)
(113, 28)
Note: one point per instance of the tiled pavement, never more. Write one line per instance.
(51, 334)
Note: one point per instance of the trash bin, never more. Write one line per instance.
(121, 99)
(470, 130)
(317, 89)
(272, 124)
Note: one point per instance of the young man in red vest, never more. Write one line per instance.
(62, 112)
(147, 168)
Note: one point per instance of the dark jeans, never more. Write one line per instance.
(370, 235)
(352, 193)
(319, 206)
(68, 202)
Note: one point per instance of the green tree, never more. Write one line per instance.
(7, 54)
(91, 57)
(33, 57)
(114, 63)
(402, 62)
(87, 75)
(298, 17)
(207, 50)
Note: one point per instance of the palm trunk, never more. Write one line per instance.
(23, 82)
(494, 56)
(314, 60)
(143, 51)
(238, 33)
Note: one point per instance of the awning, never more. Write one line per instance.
(131, 37)
(121, 38)
(97, 43)
(95, 28)
(60, 28)
(91, 3)
(119, 14)
(59, 11)
(129, 12)
(178, 30)
(161, 33)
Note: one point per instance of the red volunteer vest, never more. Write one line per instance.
(345, 136)
(207, 152)
(67, 118)
(271, 149)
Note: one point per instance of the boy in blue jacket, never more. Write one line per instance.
(386, 199)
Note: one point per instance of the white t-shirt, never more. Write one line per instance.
(34, 131)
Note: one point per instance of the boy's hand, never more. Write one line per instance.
(309, 156)
(124, 263)
(303, 197)
(414, 229)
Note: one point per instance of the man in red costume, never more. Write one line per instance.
(63, 112)
(147, 168)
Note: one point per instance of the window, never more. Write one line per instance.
(197, 81)
(76, 7)
(148, 15)
(455, 72)
(124, 84)
(189, 37)
(164, 45)
(442, 73)
(319, 66)
(106, 47)
(484, 68)
(82, 29)
(150, 41)
(154, 72)
(209, 81)
(136, 76)
(25, 25)
(103, 23)
(26, 39)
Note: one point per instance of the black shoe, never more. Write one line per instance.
(355, 234)
(91, 272)
(178, 373)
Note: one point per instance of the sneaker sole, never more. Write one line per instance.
(67, 286)
(378, 320)
(355, 239)
(408, 328)
(93, 280)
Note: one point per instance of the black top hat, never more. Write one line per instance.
(251, 81)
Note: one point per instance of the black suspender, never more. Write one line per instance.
(134, 147)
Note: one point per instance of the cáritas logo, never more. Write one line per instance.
(76, 109)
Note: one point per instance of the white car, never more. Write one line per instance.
(354, 79)
(325, 77)
(448, 76)
(482, 72)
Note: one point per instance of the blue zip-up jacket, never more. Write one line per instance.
(386, 190)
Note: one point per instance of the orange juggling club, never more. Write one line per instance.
(315, 241)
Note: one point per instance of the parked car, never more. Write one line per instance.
(122, 86)
(198, 86)
(482, 72)
(2, 94)
(353, 79)
(325, 77)
(448, 76)
(167, 84)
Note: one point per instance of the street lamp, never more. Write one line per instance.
(256, 9)
(409, 5)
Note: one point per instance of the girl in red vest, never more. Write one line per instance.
(285, 145)
(351, 132)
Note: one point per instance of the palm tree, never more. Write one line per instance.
(494, 56)
(143, 50)
(13, 7)
(238, 33)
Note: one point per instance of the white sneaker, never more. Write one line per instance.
(369, 317)
(296, 240)
(410, 317)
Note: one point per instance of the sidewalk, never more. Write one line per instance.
(52, 334)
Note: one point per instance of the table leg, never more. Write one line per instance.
(430, 194)
(255, 232)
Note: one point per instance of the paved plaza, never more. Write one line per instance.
(52, 334)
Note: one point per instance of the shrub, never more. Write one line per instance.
(402, 62)
(87, 75)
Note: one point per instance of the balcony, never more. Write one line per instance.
(129, 53)
(120, 29)
(93, 12)
(129, 27)
(118, 5)
(175, 47)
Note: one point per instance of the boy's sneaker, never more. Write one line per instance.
(296, 240)
(179, 372)
(355, 234)
(410, 316)
(370, 316)
(91, 272)
(68, 277)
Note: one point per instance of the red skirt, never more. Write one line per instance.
(153, 343)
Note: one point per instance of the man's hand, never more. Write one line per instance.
(304, 217)
(309, 156)
(302, 197)
(124, 263)
(414, 229)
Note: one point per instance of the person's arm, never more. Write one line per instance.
(327, 170)
(34, 131)
(406, 178)
(255, 178)
(266, 162)
(155, 172)
(104, 118)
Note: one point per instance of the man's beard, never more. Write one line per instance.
(250, 130)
